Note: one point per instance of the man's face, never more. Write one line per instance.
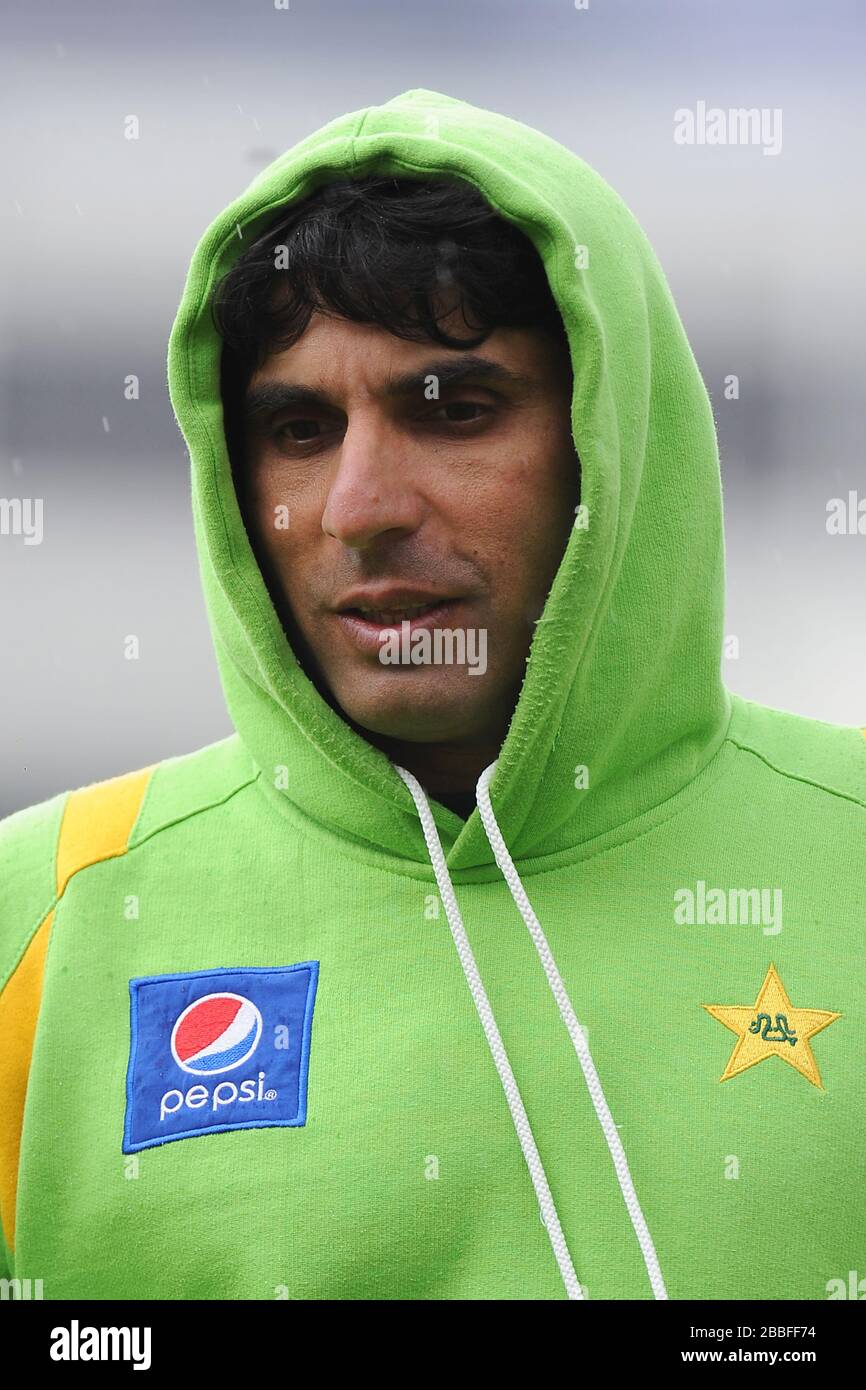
(363, 490)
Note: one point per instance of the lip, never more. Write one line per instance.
(366, 635)
(390, 596)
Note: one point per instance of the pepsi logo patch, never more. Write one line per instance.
(213, 1050)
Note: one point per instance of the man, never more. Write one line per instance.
(471, 510)
(293, 1016)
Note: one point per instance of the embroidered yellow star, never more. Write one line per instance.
(772, 1027)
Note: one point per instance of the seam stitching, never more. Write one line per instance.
(167, 825)
(795, 777)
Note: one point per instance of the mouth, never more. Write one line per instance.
(392, 617)
(366, 626)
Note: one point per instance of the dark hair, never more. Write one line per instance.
(400, 253)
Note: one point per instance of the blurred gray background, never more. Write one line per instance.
(766, 255)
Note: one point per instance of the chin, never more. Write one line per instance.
(413, 716)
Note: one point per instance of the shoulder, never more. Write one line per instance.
(829, 758)
(42, 846)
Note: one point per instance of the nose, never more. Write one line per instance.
(373, 491)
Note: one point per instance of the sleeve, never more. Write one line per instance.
(28, 877)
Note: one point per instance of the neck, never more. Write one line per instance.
(445, 770)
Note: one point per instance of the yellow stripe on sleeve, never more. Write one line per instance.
(97, 823)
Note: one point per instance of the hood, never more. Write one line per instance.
(623, 676)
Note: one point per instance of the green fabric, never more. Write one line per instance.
(407, 1180)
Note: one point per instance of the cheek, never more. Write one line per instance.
(259, 496)
(512, 506)
(279, 516)
(523, 523)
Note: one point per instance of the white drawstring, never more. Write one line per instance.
(575, 1032)
(494, 1040)
(497, 1048)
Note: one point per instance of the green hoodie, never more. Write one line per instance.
(272, 1025)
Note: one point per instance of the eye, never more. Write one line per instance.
(463, 406)
(302, 431)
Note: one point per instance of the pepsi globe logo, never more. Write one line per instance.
(217, 1033)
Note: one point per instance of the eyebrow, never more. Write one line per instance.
(277, 395)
